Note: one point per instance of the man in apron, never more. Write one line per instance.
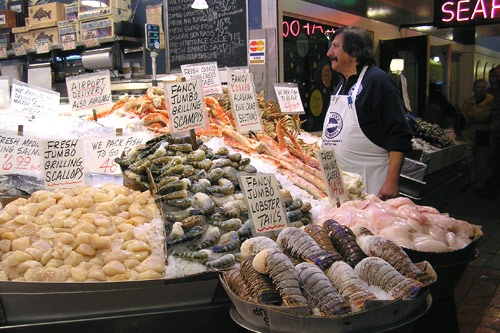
(366, 122)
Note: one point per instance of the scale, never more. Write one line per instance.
(152, 33)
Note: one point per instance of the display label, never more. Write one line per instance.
(89, 91)
(244, 102)
(33, 100)
(19, 155)
(42, 46)
(332, 176)
(186, 105)
(209, 75)
(265, 206)
(19, 49)
(68, 42)
(62, 163)
(289, 98)
(90, 38)
(3, 51)
(102, 153)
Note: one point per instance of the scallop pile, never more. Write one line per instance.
(330, 269)
(204, 211)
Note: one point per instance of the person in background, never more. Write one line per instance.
(440, 111)
(494, 177)
(366, 122)
(477, 110)
(492, 79)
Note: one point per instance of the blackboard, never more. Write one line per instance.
(218, 33)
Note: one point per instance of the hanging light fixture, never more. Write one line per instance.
(199, 4)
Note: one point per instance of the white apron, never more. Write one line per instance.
(354, 151)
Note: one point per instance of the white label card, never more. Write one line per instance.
(33, 100)
(63, 163)
(208, 73)
(89, 91)
(102, 153)
(332, 176)
(19, 155)
(289, 98)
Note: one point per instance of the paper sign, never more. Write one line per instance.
(89, 91)
(102, 153)
(244, 102)
(62, 163)
(19, 49)
(19, 155)
(332, 176)
(33, 100)
(68, 42)
(264, 202)
(90, 38)
(4, 92)
(209, 75)
(289, 98)
(3, 51)
(186, 105)
(42, 46)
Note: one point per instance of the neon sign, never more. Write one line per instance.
(293, 27)
(466, 12)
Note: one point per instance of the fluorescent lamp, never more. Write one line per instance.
(199, 4)
(397, 66)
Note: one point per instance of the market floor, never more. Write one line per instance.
(474, 305)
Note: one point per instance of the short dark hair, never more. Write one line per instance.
(357, 43)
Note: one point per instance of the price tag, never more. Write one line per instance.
(289, 98)
(244, 102)
(68, 42)
(3, 51)
(42, 46)
(186, 105)
(19, 49)
(90, 38)
(332, 176)
(209, 75)
(62, 163)
(265, 205)
(102, 153)
(19, 155)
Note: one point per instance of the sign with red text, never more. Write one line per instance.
(332, 176)
(265, 206)
(62, 163)
(89, 91)
(33, 100)
(465, 13)
(19, 155)
(244, 102)
(103, 152)
(186, 104)
(289, 98)
(208, 73)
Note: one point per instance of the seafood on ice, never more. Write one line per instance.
(421, 228)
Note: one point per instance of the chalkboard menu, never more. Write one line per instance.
(218, 33)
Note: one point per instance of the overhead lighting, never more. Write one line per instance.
(199, 4)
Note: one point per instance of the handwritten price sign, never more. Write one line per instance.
(332, 176)
(244, 102)
(289, 98)
(102, 153)
(19, 155)
(208, 73)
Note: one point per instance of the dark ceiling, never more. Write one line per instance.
(417, 14)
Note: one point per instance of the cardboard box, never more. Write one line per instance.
(101, 28)
(29, 38)
(8, 19)
(71, 11)
(46, 15)
(69, 30)
(118, 14)
(85, 9)
(6, 38)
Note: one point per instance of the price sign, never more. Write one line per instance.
(62, 163)
(289, 98)
(3, 51)
(332, 176)
(42, 46)
(89, 91)
(90, 38)
(19, 49)
(264, 202)
(186, 104)
(244, 102)
(102, 153)
(19, 155)
(68, 42)
(33, 100)
(208, 73)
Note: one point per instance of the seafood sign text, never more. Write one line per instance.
(264, 202)
(89, 92)
(186, 106)
(331, 174)
(63, 163)
(244, 102)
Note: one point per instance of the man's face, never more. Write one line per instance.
(479, 89)
(340, 60)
